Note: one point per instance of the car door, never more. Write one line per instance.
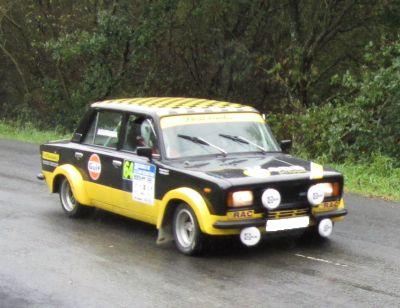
(99, 160)
(138, 173)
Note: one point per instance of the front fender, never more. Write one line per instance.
(195, 201)
(74, 178)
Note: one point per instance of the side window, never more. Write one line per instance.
(140, 133)
(105, 129)
(89, 138)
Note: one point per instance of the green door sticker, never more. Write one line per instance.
(127, 170)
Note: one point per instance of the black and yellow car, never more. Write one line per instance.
(191, 167)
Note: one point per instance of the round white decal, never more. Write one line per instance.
(271, 198)
(325, 227)
(315, 195)
(250, 236)
(94, 167)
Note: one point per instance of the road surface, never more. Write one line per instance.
(47, 259)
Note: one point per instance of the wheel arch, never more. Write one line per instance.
(75, 179)
(57, 183)
(190, 197)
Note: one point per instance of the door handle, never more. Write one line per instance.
(78, 155)
(117, 163)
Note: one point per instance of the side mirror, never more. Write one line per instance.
(286, 145)
(145, 152)
(76, 137)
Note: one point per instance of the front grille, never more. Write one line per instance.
(288, 213)
(294, 195)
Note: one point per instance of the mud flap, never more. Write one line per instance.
(164, 236)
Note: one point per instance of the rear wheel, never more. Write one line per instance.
(187, 234)
(68, 202)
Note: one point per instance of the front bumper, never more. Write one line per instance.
(259, 222)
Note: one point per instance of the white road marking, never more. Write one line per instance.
(320, 260)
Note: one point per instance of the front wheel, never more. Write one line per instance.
(68, 202)
(187, 234)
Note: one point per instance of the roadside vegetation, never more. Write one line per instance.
(29, 133)
(326, 73)
(377, 179)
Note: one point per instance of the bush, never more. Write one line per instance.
(355, 125)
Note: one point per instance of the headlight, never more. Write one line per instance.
(240, 198)
(329, 189)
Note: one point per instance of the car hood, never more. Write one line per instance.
(242, 170)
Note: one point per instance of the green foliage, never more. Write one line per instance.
(360, 121)
(104, 65)
(317, 132)
(378, 178)
(28, 132)
(375, 96)
(58, 56)
(302, 61)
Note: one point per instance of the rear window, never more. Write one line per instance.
(105, 129)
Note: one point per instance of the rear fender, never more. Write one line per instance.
(74, 178)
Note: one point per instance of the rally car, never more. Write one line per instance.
(191, 167)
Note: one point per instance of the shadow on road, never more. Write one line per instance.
(104, 226)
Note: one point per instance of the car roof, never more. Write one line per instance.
(165, 106)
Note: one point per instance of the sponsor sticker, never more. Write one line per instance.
(179, 120)
(49, 163)
(328, 206)
(256, 172)
(94, 167)
(240, 214)
(55, 157)
(143, 183)
(287, 169)
(259, 172)
(107, 133)
(127, 170)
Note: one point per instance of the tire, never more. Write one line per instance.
(69, 204)
(187, 234)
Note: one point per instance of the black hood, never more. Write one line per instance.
(271, 167)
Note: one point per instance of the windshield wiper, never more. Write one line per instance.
(199, 140)
(243, 140)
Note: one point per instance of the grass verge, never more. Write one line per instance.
(366, 179)
(29, 133)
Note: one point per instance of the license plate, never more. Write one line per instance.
(287, 223)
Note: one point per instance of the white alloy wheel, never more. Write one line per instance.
(187, 234)
(68, 200)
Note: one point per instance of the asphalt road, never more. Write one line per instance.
(47, 259)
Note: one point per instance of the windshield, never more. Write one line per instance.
(217, 133)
